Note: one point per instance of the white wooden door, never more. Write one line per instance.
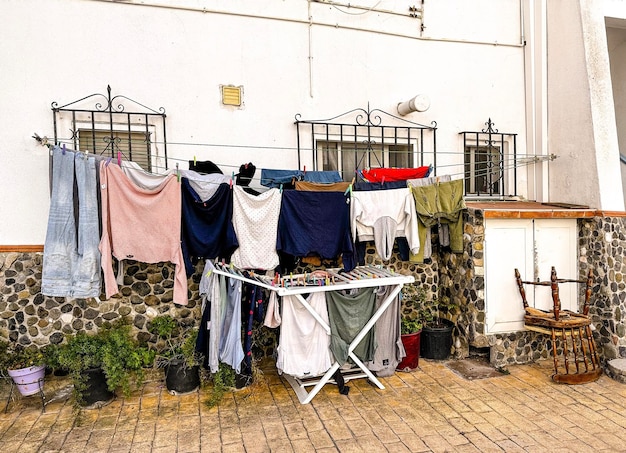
(532, 246)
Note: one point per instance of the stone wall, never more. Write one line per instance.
(28, 317)
(602, 247)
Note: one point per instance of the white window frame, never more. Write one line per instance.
(375, 155)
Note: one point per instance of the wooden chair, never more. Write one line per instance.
(580, 362)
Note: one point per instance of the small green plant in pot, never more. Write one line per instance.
(176, 354)
(102, 363)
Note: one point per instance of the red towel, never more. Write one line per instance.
(394, 174)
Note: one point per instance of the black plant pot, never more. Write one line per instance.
(436, 341)
(96, 389)
(179, 379)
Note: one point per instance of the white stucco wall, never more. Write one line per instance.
(616, 41)
(581, 116)
(55, 50)
(291, 57)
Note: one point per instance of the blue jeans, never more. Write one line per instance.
(71, 259)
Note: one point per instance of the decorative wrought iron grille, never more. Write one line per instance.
(362, 140)
(109, 128)
(488, 160)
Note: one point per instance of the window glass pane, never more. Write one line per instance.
(482, 170)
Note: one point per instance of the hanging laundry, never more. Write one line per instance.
(204, 185)
(210, 330)
(244, 177)
(272, 313)
(255, 221)
(303, 349)
(206, 167)
(442, 202)
(443, 229)
(142, 178)
(395, 174)
(276, 178)
(207, 228)
(348, 314)
(362, 186)
(231, 350)
(324, 177)
(71, 259)
(383, 215)
(142, 225)
(316, 223)
(389, 348)
(253, 310)
(322, 187)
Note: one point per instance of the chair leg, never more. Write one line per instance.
(554, 353)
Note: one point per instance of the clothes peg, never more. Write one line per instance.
(304, 170)
(63, 147)
(107, 162)
(281, 188)
(194, 160)
(177, 172)
(119, 158)
(232, 177)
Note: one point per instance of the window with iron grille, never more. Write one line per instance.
(490, 159)
(359, 139)
(348, 157)
(106, 125)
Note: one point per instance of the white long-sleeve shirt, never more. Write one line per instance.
(383, 215)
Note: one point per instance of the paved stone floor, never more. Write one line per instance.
(430, 409)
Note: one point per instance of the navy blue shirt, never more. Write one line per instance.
(316, 223)
(207, 227)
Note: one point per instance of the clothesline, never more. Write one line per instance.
(69, 140)
(510, 163)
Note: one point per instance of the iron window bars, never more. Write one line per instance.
(486, 161)
(110, 115)
(365, 129)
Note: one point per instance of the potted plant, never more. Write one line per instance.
(25, 366)
(436, 331)
(102, 363)
(411, 326)
(176, 354)
(410, 333)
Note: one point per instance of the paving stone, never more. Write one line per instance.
(430, 411)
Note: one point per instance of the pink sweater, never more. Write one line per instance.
(141, 225)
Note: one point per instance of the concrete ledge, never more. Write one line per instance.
(616, 369)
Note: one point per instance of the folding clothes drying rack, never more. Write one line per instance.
(333, 280)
